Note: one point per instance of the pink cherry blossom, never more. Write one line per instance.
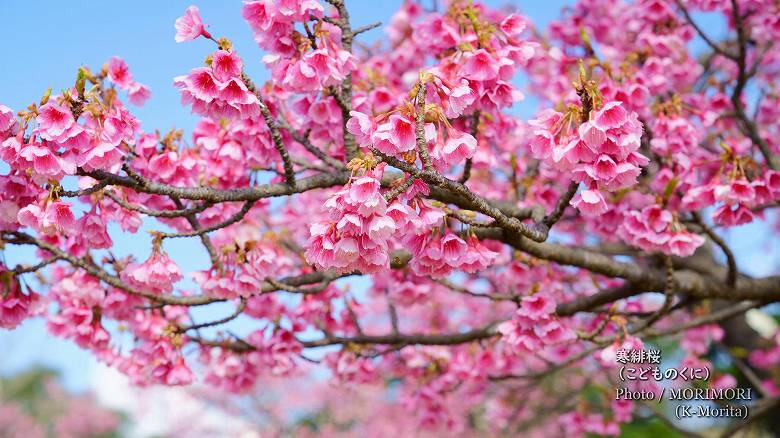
(138, 93)
(53, 120)
(119, 73)
(7, 121)
(589, 202)
(155, 275)
(50, 218)
(190, 26)
(458, 147)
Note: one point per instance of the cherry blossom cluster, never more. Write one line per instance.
(156, 275)
(602, 152)
(735, 198)
(16, 305)
(356, 236)
(654, 229)
(395, 135)
(217, 90)
(58, 143)
(437, 255)
(298, 62)
(535, 325)
(243, 272)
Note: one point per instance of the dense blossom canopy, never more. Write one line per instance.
(504, 261)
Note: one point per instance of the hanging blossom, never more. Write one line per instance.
(190, 26)
(275, 351)
(348, 367)
(218, 90)
(736, 197)
(79, 298)
(157, 362)
(15, 305)
(656, 229)
(299, 63)
(155, 275)
(602, 152)
(437, 254)
(534, 325)
(356, 235)
(48, 217)
(395, 135)
(244, 271)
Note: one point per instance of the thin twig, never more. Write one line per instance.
(366, 28)
(422, 146)
(239, 310)
(276, 136)
(701, 32)
(158, 213)
(560, 207)
(469, 162)
(731, 277)
(227, 222)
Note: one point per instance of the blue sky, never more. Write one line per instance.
(46, 43)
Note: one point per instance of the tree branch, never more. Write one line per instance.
(276, 136)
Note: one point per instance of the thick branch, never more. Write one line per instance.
(422, 146)
(687, 282)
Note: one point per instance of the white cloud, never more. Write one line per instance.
(165, 411)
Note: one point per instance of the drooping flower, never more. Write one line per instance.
(190, 26)
(119, 73)
(458, 147)
(589, 202)
(218, 91)
(357, 235)
(138, 93)
(15, 305)
(54, 217)
(155, 275)
(226, 65)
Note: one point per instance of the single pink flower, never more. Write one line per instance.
(537, 306)
(513, 25)
(458, 147)
(138, 93)
(592, 135)
(118, 72)
(589, 202)
(612, 115)
(402, 133)
(362, 126)
(452, 248)
(190, 26)
(53, 120)
(226, 65)
(480, 66)
(684, 244)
